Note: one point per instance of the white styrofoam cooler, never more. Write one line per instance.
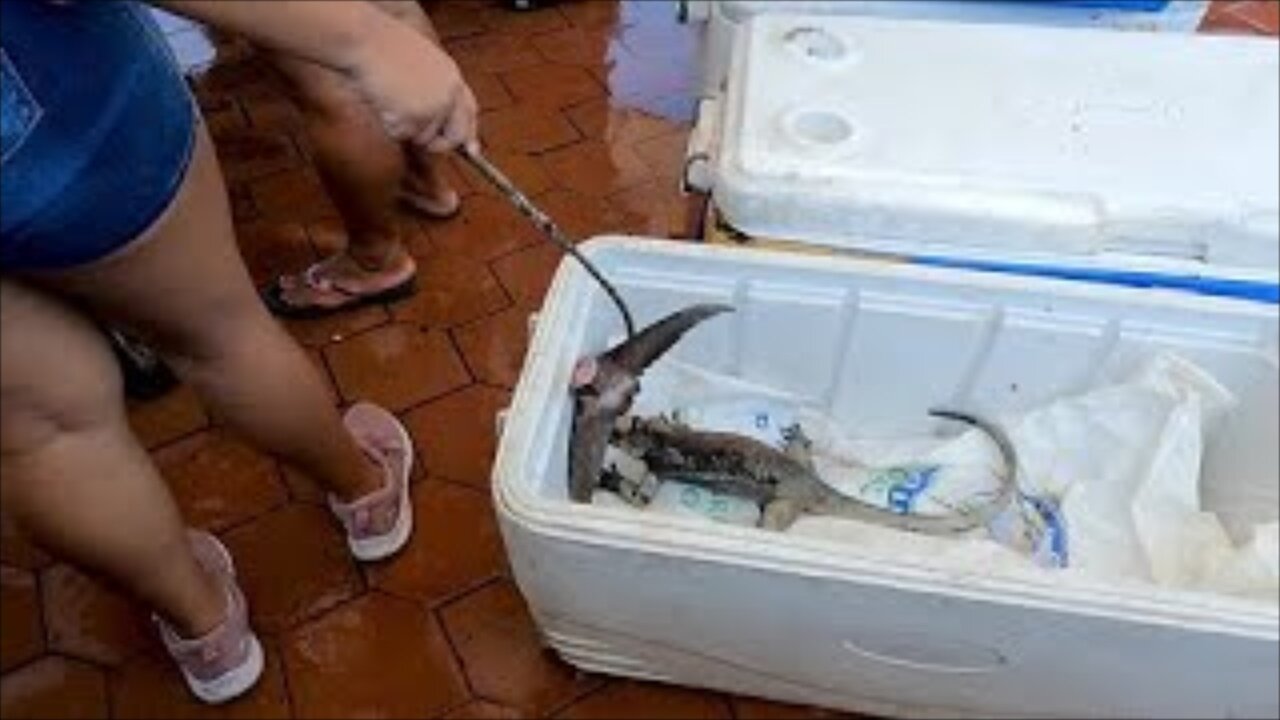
(723, 19)
(800, 618)
(1126, 151)
(1057, 146)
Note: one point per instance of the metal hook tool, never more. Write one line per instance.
(546, 225)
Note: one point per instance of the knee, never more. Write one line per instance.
(36, 413)
(57, 373)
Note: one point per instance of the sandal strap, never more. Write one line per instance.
(313, 280)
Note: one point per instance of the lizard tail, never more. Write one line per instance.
(1009, 480)
(638, 352)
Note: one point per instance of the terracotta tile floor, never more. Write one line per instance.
(587, 105)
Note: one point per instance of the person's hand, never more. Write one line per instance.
(416, 88)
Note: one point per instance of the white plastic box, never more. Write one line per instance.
(1161, 174)
(723, 19)
(805, 619)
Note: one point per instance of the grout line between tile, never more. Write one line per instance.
(603, 683)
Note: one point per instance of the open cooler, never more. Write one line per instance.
(886, 145)
(807, 618)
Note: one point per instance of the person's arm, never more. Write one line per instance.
(415, 86)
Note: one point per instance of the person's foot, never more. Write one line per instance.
(379, 524)
(426, 193)
(225, 662)
(340, 283)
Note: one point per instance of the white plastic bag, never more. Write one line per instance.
(1109, 477)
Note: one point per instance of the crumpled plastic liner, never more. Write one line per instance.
(1109, 479)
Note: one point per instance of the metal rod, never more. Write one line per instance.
(547, 226)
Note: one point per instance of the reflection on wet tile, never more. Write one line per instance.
(596, 168)
(375, 657)
(494, 347)
(454, 548)
(87, 619)
(53, 688)
(219, 480)
(151, 686)
(527, 274)
(397, 366)
(457, 434)
(292, 564)
(502, 656)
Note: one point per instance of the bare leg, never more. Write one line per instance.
(184, 288)
(73, 474)
(425, 188)
(366, 173)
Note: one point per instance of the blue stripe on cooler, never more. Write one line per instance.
(1128, 5)
(1262, 292)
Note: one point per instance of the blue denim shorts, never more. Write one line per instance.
(97, 128)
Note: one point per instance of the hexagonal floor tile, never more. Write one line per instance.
(292, 563)
(457, 434)
(396, 366)
(494, 347)
(595, 168)
(487, 227)
(85, 618)
(605, 120)
(482, 710)
(585, 216)
(21, 629)
(526, 128)
(375, 657)
(219, 480)
(454, 289)
(625, 700)
(552, 85)
(522, 168)
(527, 273)
(503, 656)
(151, 686)
(455, 546)
(321, 331)
(52, 688)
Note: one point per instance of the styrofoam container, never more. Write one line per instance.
(803, 618)
(1060, 146)
(723, 19)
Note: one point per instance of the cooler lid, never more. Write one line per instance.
(1004, 141)
(1154, 15)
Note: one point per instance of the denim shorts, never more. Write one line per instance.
(97, 128)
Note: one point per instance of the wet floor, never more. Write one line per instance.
(587, 106)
